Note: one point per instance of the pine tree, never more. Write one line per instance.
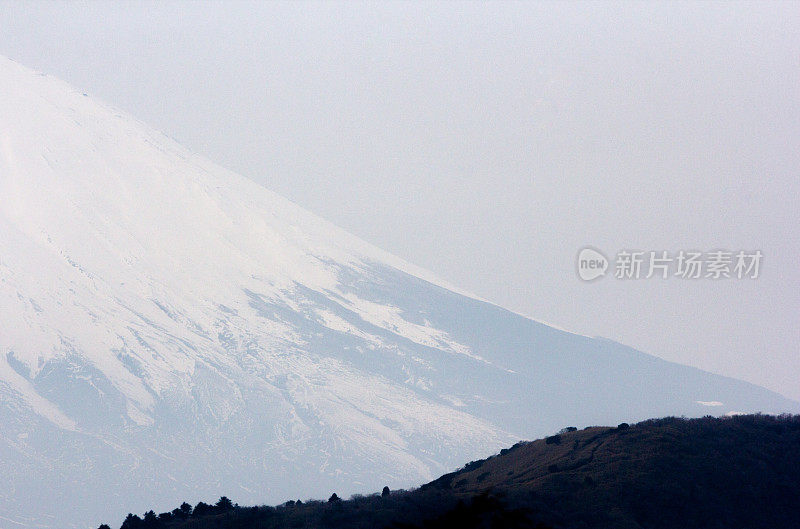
(132, 521)
(224, 504)
(150, 520)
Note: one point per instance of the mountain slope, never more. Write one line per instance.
(169, 330)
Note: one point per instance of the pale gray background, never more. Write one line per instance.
(489, 142)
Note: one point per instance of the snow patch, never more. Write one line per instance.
(709, 403)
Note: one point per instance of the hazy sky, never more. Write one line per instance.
(490, 142)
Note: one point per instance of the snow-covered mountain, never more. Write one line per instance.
(171, 331)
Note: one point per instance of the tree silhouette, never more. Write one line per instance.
(150, 520)
(334, 498)
(385, 492)
(201, 509)
(132, 521)
(104, 526)
(224, 504)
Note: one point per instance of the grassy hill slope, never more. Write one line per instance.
(735, 472)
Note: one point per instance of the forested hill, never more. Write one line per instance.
(734, 472)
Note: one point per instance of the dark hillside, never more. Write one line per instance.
(664, 473)
(737, 472)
